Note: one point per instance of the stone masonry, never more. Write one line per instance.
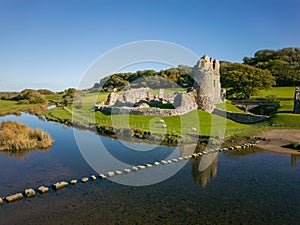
(207, 85)
(297, 101)
(205, 94)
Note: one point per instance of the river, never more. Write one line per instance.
(250, 187)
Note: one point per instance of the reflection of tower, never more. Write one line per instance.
(205, 168)
(186, 150)
(293, 160)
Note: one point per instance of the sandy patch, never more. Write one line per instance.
(275, 139)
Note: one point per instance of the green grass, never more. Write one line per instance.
(229, 107)
(58, 113)
(11, 107)
(278, 92)
(288, 119)
(205, 123)
(284, 116)
(54, 97)
(284, 94)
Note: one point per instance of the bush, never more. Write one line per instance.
(29, 96)
(295, 145)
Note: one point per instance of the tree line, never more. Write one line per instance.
(266, 69)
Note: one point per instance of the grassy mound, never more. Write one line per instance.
(17, 136)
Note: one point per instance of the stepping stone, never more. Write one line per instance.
(29, 193)
(135, 169)
(148, 165)
(127, 170)
(1, 201)
(93, 177)
(85, 179)
(195, 155)
(43, 189)
(156, 163)
(102, 176)
(14, 197)
(118, 172)
(175, 160)
(180, 158)
(60, 185)
(164, 162)
(111, 174)
(73, 182)
(169, 161)
(141, 167)
(186, 157)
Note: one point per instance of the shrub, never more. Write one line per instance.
(295, 145)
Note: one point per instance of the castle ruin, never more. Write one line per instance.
(206, 92)
(207, 85)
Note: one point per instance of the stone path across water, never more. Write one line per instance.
(30, 192)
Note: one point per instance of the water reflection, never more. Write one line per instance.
(204, 167)
(20, 154)
(294, 159)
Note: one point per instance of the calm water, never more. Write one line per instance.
(228, 188)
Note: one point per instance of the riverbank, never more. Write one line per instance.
(274, 140)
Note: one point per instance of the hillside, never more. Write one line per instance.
(284, 64)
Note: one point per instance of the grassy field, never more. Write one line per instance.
(11, 107)
(278, 92)
(205, 123)
(229, 107)
(284, 94)
(54, 97)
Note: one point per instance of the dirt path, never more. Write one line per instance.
(274, 139)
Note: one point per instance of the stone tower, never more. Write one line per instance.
(206, 74)
(297, 101)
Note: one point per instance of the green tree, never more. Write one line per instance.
(284, 64)
(72, 94)
(29, 96)
(243, 81)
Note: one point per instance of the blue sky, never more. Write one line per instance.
(50, 43)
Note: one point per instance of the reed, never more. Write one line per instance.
(17, 136)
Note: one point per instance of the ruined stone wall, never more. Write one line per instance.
(240, 117)
(205, 94)
(130, 97)
(297, 101)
